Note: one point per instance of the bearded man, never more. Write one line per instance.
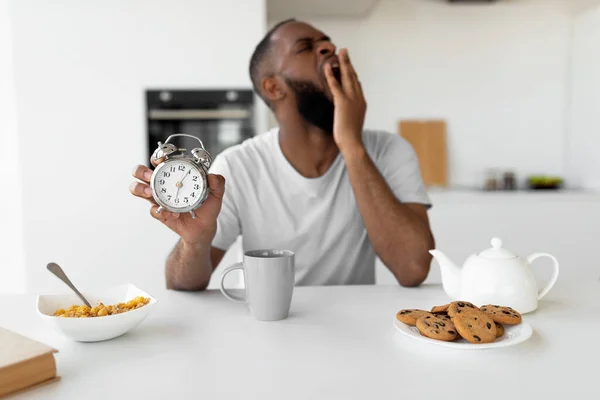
(320, 185)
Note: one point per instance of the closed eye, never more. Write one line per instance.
(307, 43)
(305, 47)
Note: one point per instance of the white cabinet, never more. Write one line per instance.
(565, 224)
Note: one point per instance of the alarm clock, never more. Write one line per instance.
(179, 184)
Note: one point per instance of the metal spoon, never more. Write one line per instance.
(60, 274)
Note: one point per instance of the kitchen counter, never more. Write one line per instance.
(462, 195)
(339, 342)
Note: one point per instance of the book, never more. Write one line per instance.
(24, 362)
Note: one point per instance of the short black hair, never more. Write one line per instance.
(260, 57)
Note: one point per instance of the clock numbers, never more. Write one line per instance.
(175, 188)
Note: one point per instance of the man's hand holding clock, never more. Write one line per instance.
(201, 194)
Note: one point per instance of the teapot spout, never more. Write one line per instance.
(451, 274)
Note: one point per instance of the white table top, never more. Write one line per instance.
(339, 342)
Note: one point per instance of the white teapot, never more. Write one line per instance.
(495, 276)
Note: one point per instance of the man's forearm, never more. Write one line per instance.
(401, 238)
(189, 267)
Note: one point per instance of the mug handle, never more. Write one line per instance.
(545, 290)
(224, 291)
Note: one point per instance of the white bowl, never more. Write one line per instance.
(98, 328)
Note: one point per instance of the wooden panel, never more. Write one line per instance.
(428, 138)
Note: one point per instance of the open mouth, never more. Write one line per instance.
(335, 68)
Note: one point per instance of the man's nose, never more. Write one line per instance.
(325, 48)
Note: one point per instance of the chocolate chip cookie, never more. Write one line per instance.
(436, 328)
(503, 315)
(499, 329)
(410, 316)
(440, 309)
(445, 317)
(456, 307)
(475, 326)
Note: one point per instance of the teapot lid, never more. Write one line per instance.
(497, 251)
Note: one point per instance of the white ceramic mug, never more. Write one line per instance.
(269, 281)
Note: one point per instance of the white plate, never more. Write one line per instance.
(99, 328)
(513, 334)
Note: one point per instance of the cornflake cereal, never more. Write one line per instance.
(101, 310)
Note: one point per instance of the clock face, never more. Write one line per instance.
(179, 184)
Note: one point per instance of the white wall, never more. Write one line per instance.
(584, 135)
(578, 6)
(497, 73)
(12, 275)
(81, 70)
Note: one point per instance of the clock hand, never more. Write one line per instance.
(186, 175)
(178, 184)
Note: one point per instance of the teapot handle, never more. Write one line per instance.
(545, 290)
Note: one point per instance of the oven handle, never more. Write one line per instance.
(198, 114)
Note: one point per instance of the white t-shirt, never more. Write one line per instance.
(274, 207)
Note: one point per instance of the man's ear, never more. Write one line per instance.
(273, 89)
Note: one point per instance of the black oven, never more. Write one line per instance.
(220, 118)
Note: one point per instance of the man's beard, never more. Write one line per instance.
(313, 104)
